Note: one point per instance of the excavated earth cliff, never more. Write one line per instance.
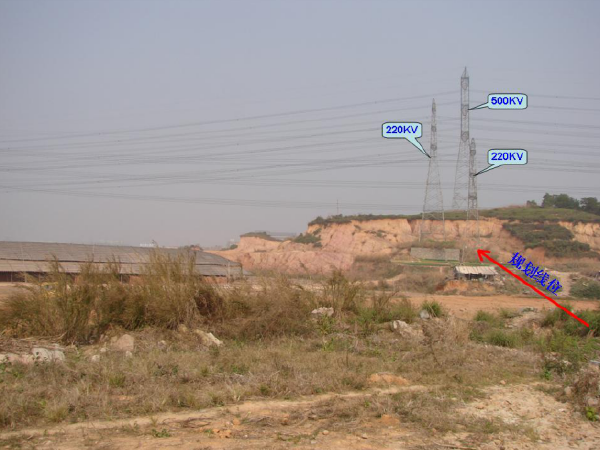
(342, 243)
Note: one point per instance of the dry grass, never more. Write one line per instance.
(185, 375)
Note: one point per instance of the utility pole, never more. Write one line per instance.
(461, 180)
(433, 205)
(472, 207)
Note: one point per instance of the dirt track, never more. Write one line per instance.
(467, 306)
(303, 423)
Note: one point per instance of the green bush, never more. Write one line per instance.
(555, 239)
(434, 308)
(308, 238)
(503, 338)
(586, 289)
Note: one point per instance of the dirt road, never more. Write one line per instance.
(467, 306)
(537, 421)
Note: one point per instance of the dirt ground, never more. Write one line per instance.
(6, 289)
(541, 422)
(467, 306)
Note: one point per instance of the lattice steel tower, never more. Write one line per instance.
(461, 180)
(433, 205)
(472, 208)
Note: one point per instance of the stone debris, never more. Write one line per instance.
(399, 325)
(123, 344)
(38, 354)
(405, 330)
(208, 339)
(322, 312)
(43, 354)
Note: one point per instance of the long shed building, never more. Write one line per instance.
(33, 258)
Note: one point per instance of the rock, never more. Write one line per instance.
(405, 330)
(124, 343)
(128, 354)
(313, 442)
(424, 315)
(568, 391)
(162, 345)
(502, 382)
(591, 401)
(364, 436)
(325, 432)
(322, 312)
(398, 325)
(182, 328)
(208, 339)
(95, 358)
(16, 358)
(387, 378)
(236, 421)
(103, 350)
(528, 309)
(45, 355)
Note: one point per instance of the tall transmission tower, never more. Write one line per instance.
(461, 180)
(433, 205)
(472, 208)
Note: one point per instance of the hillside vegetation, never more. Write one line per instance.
(520, 213)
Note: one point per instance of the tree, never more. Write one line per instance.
(548, 201)
(590, 204)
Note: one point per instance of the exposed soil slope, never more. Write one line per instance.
(341, 243)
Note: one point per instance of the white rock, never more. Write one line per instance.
(424, 315)
(128, 354)
(208, 339)
(398, 325)
(591, 401)
(124, 343)
(95, 358)
(322, 312)
(103, 350)
(162, 345)
(43, 354)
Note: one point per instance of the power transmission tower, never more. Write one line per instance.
(461, 180)
(472, 208)
(433, 205)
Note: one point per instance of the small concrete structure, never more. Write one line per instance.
(475, 273)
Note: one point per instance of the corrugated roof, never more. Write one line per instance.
(476, 270)
(34, 257)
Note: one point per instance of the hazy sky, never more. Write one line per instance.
(196, 121)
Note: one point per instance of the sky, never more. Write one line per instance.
(180, 122)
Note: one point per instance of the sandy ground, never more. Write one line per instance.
(6, 289)
(305, 424)
(467, 306)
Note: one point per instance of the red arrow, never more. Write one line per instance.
(486, 253)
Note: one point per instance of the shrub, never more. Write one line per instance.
(434, 308)
(586, 289)
(308, 238)
(79, 310)
(502, 338)
(341, 294)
